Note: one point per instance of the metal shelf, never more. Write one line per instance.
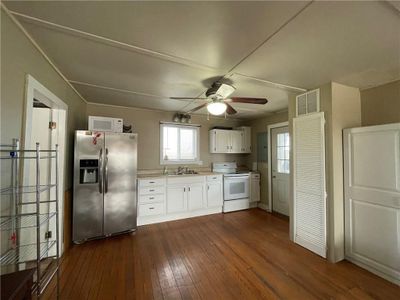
(27, 157)
(26, 189)
(17, 221)
(25, 253)
(24, 221)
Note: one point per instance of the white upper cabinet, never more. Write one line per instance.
(246, 139)
(230, 141)
(221, 140)
(236, 141)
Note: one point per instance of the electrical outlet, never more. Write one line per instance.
(47, 235)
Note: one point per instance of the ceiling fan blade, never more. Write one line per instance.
(230, 110)
(249, 100)
(187, 98)
(197, 108)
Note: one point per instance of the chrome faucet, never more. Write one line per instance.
(180, 170)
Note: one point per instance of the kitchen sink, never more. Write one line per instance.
(184, 173)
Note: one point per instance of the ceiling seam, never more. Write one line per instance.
(159, 110)
(270, 37)
(36, 45)
(118, 44)
(121, 90)
(254, 50)
(153, 53)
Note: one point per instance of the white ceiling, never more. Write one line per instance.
(141, 53)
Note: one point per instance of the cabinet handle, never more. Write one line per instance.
(151, 208)
(151, 198)
(189, 189)
(208, 187)
(151, 182)
(151, 190)
(184, 189)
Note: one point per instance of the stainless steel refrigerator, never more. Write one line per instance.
(104, 199)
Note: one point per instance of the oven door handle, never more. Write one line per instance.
(237, 177)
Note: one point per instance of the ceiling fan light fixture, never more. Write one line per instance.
(216, 108)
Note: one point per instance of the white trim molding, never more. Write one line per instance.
(36, 45)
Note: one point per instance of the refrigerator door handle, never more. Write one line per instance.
(100, 171)
(106, 173)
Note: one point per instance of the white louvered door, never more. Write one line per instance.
(309, 182)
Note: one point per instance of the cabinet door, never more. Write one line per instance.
(195, 196)
(236, 141)
(214, 194)
(222, 141)
(176, 199)
(255, 190)
(247, 139)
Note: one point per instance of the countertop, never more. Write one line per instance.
(159, 175)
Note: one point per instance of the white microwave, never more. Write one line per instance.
(105, 124)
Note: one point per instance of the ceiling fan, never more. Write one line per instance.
(218, 101)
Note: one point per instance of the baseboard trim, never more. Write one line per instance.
(373, 270)
(263, 206)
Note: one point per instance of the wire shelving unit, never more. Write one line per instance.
(20, 254)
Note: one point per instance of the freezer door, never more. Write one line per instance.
(88, 196)
(120, 165)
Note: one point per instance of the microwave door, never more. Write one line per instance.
(88, 185)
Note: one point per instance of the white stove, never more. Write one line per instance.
(236, 186)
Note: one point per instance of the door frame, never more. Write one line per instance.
(269, 130)
(34, 88)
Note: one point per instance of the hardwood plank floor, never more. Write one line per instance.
(240, 255)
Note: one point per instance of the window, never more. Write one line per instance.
(179, 144)
(283, 146)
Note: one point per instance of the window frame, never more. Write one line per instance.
(195, 161)
(285, 146)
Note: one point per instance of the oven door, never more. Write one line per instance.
(236, 187)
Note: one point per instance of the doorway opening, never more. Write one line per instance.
(45, 119)
(279, 169)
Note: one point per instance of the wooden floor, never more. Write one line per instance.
(241, 255)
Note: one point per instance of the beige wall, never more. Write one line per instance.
(342, 109)
(257, 126)
(18, 58)
(381, 105)
(147, 124)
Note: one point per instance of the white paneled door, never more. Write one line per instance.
(309, 215)
(280, 147)
(372, 198)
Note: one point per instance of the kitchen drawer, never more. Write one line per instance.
(151, 198)
(151, 182)
(151, 209)
(152, 190)
(211, 178)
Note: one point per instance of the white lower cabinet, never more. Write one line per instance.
(195, 196)
(254, 187)
(176, 198)
(215, 197)
(180, 197)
